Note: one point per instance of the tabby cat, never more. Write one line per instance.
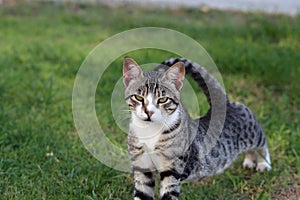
(163, 139)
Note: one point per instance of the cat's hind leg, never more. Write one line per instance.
(263, 159)
(250, 160)
(259, 159)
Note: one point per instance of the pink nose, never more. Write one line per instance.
(149, 113)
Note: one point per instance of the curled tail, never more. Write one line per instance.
(209, 85)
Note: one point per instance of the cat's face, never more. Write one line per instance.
(152, 96)
(152, 105)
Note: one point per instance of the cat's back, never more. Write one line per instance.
(241, 129)
(239, 116)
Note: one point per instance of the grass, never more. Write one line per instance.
(42, 47)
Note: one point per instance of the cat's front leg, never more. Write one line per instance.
(144, 185)
(169, 185)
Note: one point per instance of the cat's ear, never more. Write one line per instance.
(175, 75)
(131, 71)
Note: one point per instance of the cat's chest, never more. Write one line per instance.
(148, 134)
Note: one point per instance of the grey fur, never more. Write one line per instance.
(185, 149)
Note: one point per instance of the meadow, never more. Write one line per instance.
(42, 46)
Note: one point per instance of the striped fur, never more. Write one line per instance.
(163, 140)
(206, 82)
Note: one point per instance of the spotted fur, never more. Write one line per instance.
(163, 139)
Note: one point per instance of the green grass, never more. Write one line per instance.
(41, 49)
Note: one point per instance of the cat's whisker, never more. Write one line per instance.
(125, 110)
(166, 124)
(123, 118)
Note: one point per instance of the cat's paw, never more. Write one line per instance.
(263, 166)
(248, 163)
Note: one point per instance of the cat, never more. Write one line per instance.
(164, 140)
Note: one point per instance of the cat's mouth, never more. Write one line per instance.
(148, 120)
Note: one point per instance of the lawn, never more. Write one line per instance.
(42, 46)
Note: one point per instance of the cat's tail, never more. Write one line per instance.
(209, 85)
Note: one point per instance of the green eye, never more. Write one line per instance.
(163, 100)
(139, 98)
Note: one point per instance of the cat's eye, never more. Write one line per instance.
(162, 100)
(139, 98)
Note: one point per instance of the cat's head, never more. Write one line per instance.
(152, 96)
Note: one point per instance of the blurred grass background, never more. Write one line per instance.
(41, 48)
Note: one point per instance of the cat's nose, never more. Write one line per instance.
(149, 113)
